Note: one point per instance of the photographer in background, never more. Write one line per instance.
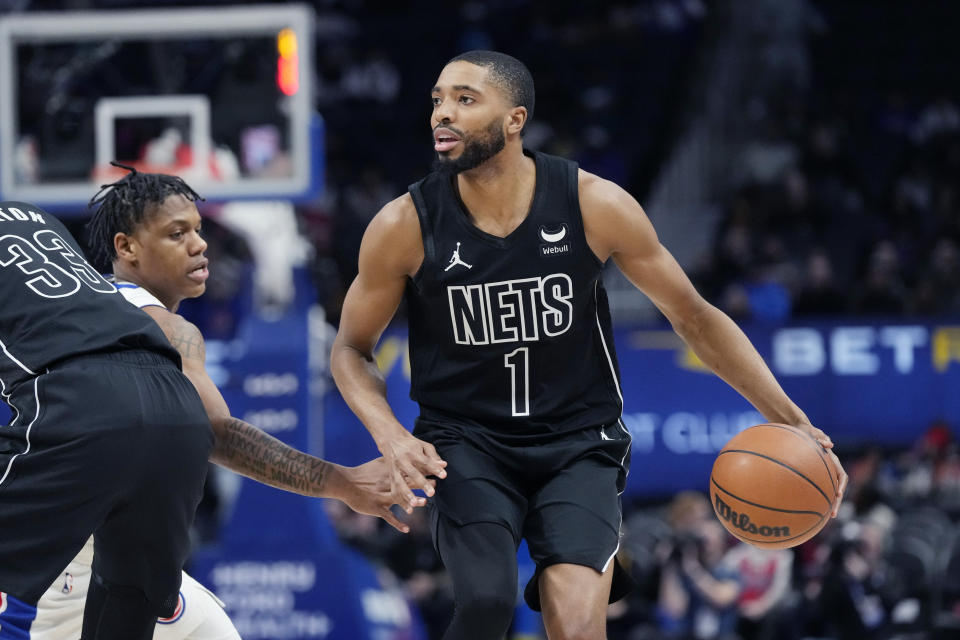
(767, 604)
(851, 602)
(698, 593)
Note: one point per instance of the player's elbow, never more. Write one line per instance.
(343, 354)
(691, 319)
(337, 354)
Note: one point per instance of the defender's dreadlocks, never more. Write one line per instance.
(123, 205)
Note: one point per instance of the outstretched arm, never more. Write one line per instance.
(249, 451)
(617, 227)
(391, 251)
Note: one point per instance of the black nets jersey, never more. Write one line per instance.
(55, 305)
(511, 334)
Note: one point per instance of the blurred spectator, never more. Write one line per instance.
(600, 157)
(735, 250)
(765, 604)
(735, 302)
(772, 278)
(698, 594)
(373, 77)
(883, 291)
(819, 293)
(852, 608)
(686, 511)
(939, 117)
(871, 487)
(769, 156)
(939, 288)
(932, 469)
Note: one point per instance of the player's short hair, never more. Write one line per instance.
(122, 205)
(508, 73)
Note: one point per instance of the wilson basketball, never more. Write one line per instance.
(773, 486)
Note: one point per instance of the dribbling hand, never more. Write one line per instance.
(827, 444)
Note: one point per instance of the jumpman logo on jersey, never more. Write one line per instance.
(455, 260)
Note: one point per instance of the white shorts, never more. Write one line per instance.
(199, 614)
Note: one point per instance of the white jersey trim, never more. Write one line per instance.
(6, 398)
(612, 556)
(137, 295)
(17, 362)
(616, 381)
(36, 395)
(606, 350)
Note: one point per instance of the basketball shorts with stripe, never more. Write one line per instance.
(560, 492)
(114, 445)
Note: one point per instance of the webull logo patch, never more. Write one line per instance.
(742, 521)
(555, 240)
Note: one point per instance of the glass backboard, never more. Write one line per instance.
(220, 96)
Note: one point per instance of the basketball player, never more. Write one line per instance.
(107, 437)
(149, 227)
(499, 253)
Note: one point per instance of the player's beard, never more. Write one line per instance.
(476, 150)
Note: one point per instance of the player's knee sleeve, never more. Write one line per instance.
(481, 617)
(490, 611)
(484, 602)
(114, 612)
(481, 560)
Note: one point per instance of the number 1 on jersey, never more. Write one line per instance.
(518, 361)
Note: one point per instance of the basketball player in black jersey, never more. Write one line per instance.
(107, 437)
(499, 254)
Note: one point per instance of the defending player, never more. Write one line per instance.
(149, 227)
(107, 437)
(499, 252)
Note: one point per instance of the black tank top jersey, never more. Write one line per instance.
(55, 305)
(511, 334)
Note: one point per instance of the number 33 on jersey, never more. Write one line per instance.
(52, 297)
(51, 268)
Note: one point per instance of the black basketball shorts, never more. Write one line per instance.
(111, 444)
(560, 492)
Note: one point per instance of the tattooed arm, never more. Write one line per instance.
(245, 449)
